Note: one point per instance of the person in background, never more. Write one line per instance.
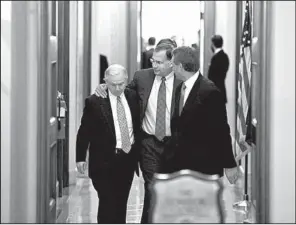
(103, 66)
(219, 65)
(155, 89)
(110, 129)
(201, 138)
(144, 44)
(147, 54)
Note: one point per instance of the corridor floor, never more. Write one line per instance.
(81, 205)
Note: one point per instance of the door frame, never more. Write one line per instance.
(46, 116)
(44, 32)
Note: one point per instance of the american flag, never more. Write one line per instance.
(244, 88)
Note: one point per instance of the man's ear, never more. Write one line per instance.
(181, 66)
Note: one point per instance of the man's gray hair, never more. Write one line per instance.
(114, 70)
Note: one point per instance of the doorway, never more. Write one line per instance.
(166, 19)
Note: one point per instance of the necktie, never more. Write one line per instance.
(181, 103)
(160, 113)
(125, 139)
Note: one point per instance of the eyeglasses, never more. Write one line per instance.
(153, 61)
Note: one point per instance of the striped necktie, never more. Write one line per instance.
(125, 139)
(160, 113)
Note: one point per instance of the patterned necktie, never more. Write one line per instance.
(181, 103)
(125, 139)
(160, 113)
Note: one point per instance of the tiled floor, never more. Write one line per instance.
(81, 205)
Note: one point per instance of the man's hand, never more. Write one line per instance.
(81, 167)
(101, 91)
(232, 174)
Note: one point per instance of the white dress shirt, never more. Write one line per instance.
(189, 84)
(217, 50)
(149, 120)
(113, 101)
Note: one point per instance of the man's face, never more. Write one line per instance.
(116, 83)
(160, 63)
(177, 69)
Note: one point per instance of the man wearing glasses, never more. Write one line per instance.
(156, 90)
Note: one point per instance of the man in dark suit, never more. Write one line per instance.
(156, 90)
(103, 66)
(201, 138)
(110, 129)
(147, 54)
(219, 65)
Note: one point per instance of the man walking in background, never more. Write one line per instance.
(147, 54)
(219, 65)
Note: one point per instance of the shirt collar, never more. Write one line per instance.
(218, 50)
(168, 77)
(190, 82)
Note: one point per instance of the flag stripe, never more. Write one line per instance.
(246, 80)
(243, 87)
(242, 120)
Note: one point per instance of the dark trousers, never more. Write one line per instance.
(151, 156)
(113, 187)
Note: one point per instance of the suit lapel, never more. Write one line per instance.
(148, 87)
(130, 103)
(107, 113)
(177, 100)
(175, 85)
(193, 93)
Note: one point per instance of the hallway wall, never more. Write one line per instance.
(5, 109)
(225, 25)
(19, 73)
(282, 122)
(112, 30)
(75, 100)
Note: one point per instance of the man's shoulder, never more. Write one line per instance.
(221, 54)
(144, 73)
(207, 86)
(93, 99)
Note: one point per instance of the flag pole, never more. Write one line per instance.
(246, 196)
(245, 206)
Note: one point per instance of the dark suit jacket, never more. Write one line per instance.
(146, 56)
(97, 132)
(142, 83)
(201, 135)
(217, 71)
(103, 66)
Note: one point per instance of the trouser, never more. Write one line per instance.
(151, 154)
(113, 187)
